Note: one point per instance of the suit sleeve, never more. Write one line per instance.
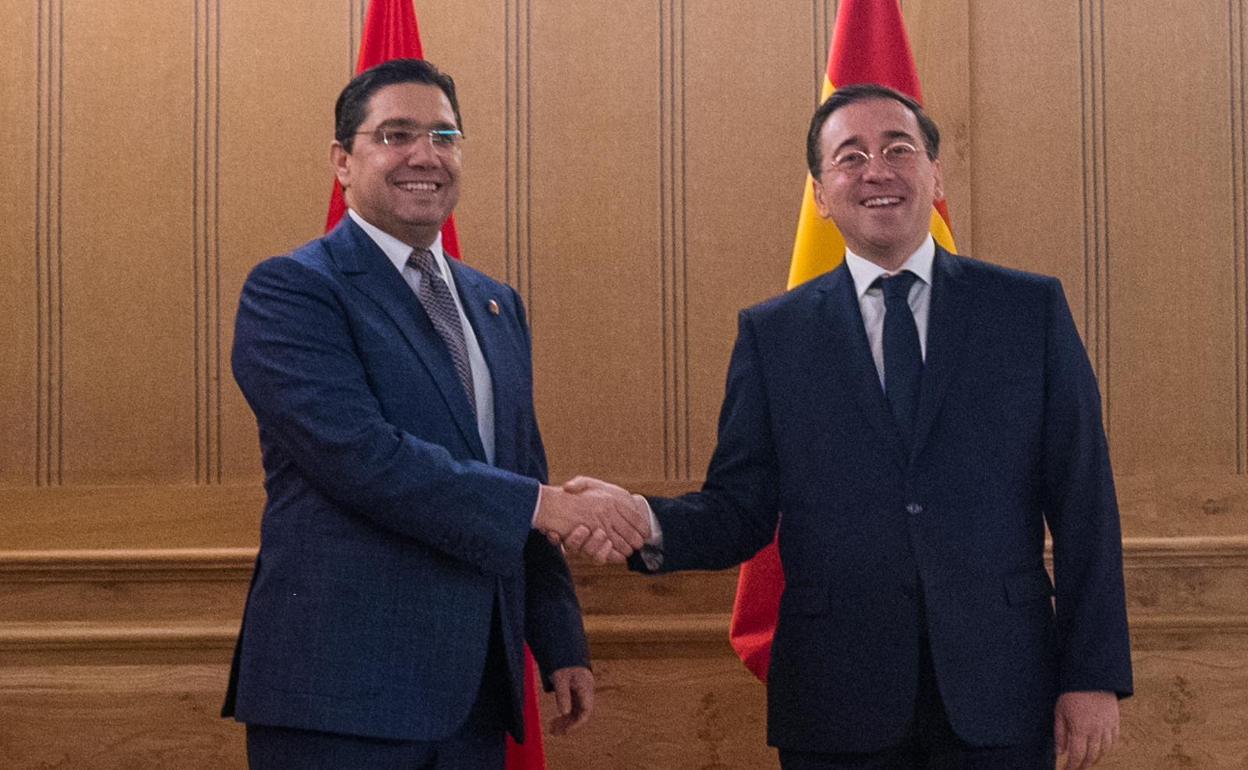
(552, 615)
(1082, 512)
(295, 360)
(734, 515)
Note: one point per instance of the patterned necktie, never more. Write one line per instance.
(903, 358)
(435, 297)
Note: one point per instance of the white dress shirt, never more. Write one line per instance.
(871, 298)
(483, 385)
(871, 303)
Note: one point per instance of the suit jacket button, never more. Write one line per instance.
(914, 509)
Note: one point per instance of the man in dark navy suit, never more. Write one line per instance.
(404, 557)
(912, 421)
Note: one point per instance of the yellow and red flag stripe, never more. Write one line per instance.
(869, 45)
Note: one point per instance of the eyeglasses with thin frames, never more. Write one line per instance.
(897, 156)
(405, 137)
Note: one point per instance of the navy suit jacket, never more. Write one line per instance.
(388, 544)
(883, 544)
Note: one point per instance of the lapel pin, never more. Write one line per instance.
(493, 305)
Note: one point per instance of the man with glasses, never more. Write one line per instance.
(911, 421)
(403, 562)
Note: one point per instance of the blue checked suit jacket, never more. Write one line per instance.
(388, 543)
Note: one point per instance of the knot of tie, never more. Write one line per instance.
(422, 260)
(897, 287)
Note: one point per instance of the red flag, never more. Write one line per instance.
(391, 32)
(869, 45)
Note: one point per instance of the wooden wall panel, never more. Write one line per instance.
(474, 43)
(590, 250)
(745, 112)
(98, 647)
(1040, 227)
(267, 121)
(675, 714)
(126, 277)
(940, 35)
(634, 169)
(1169, 119)
(24, 111)
(118, 717)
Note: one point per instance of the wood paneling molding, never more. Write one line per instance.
(624, 612)
(672, 240)
(206, 225)
(131, 517)
(1238, 12)
(49, 152)
(110, 565)
(518, 207)
(1096, 333)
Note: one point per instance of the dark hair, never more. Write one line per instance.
(861, 92)
(352, 106)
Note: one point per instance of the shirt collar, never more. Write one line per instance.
(395, 250)
(865, 272)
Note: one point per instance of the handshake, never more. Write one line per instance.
(594, 518)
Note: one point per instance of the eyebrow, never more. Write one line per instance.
(889, 136)
(439, 125)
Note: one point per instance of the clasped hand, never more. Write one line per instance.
(594, 518)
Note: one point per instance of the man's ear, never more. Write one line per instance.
(819, 202)
(340, 159)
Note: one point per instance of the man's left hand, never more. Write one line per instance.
(1085, 726)
(574, 698)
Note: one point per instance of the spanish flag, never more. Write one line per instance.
(391, 32)
(869, 45)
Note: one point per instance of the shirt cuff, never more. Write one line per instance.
(537, 505)
(652, 552)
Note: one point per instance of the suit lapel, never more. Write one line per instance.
(489, 328)
(946, 339)
(369, 271)
(852, 363)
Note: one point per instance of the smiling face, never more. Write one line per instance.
(408, 192)
(884, 212)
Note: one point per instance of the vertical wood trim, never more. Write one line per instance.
(1239, 198)
(673, 265)
(42, 163)
(198, 151)
(665, 282)
(49, 299)
(206, 248)
(517, 119)
(823, 19)
(526, 256)
(356, 10)
(1095, 195)
(213, 231)
(509, 181)
(682, 242)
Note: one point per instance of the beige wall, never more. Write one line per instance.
(634, 168)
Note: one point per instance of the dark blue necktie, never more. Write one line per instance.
(903, 358)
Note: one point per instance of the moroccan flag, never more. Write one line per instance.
(390, 32)
(869, 45)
